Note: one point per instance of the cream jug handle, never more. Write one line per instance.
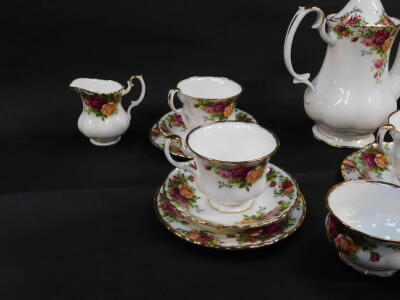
(171, 97)
(128, 89)
(381, 139)
(180, 165)
(294, 24)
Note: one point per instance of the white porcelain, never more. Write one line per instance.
(171, 124)
(370, 163)
(231, 159)
(364, 225)
(205, 99)
(276, 201)
(103, 119)
(354, 92)
(394, 152)
(221, 239)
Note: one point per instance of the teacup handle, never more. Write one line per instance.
(171, 97)
(128, 89)
(180, 165)
(381, 138)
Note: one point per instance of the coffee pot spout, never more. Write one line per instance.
(395, 76)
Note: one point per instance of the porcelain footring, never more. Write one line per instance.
(338, 142)
(105, 142)
(352, 264)
(231, 209)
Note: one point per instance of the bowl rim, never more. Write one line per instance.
(338, 185)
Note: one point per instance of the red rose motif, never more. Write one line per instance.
(369, 160)
(240, 173)
(287, 184)
(225, 174)
(333, 229)
(220, 107)
(274, 228)
(380, 37)
(178, 122)
(205, 239)
(97, 102)
(375, 257)
(175, 193)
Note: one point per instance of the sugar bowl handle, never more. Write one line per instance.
(180, 165)
(128, 89)
(294, 24)
(171, 97)
(381, 138)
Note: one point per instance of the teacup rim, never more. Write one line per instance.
(97, 79)
(390, 124)
(333, 188)
(205, 98)
(233, 162)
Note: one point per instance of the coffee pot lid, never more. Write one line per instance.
(363, 13)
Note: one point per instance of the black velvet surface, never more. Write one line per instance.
(77, 221)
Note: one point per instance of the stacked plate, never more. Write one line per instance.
(274, 216)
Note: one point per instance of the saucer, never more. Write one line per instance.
(194, 233)
(276, 202)
(171, 124)
(369, 163)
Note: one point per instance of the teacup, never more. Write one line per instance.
(394, 129)
(231, 159)
(364, 225)
(205, 99)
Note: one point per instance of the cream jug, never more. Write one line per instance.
(354, 92)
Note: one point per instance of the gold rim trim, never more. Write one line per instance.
(250, 226)
(265, 157)
(349, 157)
(263, 244)
(232, 98)
(332, 189)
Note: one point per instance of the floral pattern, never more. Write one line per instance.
(242, 177)
(377, 40)
(175, 120)
(262, 214)
(181, 191)
(373, 160)
(348, 242)
(101, 105)
(201, 236)
(240, 116)
(264, 233)
(216, 110)
(286, 186)
(169, 212)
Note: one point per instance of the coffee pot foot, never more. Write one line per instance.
(340, 142)
(105, 142)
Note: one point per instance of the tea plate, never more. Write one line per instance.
(369, 163)
(276, 202)
(194, 233)
(171, 124)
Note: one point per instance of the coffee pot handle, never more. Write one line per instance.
(381, 138)
(171, 97)
(128, 89)
(180, 165)
(287, 51)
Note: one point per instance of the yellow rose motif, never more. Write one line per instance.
(289, 190)
(186, 191)
(194, 235)
(381, 161)
(388, 43)
(229, 110)
(254, 232)
(254, 175)
(109, 108)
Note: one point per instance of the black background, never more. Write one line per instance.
(76, 221)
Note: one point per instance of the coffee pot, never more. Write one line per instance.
(354, 92)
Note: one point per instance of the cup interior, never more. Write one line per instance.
(394, 119)
(99, 86)
(208, 87)
(372, 208)
(232, 141)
